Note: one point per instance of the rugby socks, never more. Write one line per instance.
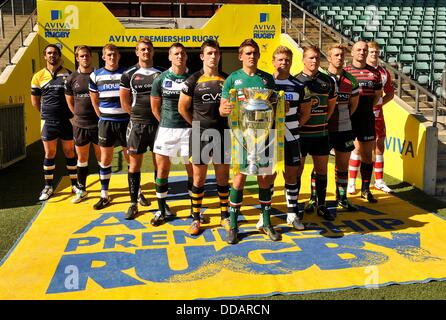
(378, 166)
(366, 175)
(134, 186)
(341, 184)
(353, 166)
(49, 165)
(197, 194)
(223, 194)
(105, 175)
(71, 165)
(265, 203)
(313, 194)
(321, 188)
(291, 195)
(161, 194)
(82, 174)
(235, 202)
(190, 183)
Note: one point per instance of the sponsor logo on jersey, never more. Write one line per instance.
(168, 84)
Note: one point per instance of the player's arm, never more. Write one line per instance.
(332, 98)
(69, 95)
(225, 104)
(70, 102)
(155, 103)
(35, 101)
(36, 93)
(354, 103)
(304, 112)
(184, 104)
(94, 97)
(126, 99)
(378, 86)
(389, 90)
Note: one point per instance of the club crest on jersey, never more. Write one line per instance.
(238, 82)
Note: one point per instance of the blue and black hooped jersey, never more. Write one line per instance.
(106, 83)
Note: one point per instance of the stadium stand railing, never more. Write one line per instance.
(318, 28)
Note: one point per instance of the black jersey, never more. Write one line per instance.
(50, 87)
(320, 88)
(206, 94)
(139, 80)
(76, 85)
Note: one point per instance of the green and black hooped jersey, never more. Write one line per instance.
(76, 86)
(168, 86)
(140, 80)
(239, 80)
(51, 88)
(319, 89)
(206, 94)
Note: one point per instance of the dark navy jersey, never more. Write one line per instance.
(76, 86)
(106, 84)
(139, 81)
(206, 94)
(295, 95)
(50, 87)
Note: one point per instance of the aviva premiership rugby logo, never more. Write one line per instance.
(264, 30)
(62, 22)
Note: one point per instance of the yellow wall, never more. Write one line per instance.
(405, 145)
(17, 89)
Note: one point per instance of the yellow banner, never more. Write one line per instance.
(71, 251)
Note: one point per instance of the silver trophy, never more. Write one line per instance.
(251, 127)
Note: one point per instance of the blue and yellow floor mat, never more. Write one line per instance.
(71, 251)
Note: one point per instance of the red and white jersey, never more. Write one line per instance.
(387, 88)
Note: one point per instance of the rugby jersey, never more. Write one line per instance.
(139, 80)
(76, 86)
(387, 88)
(319, 88)
(106, 83)
(295, 94)
(239, 80)
(206, 94)
(346, 88)
(369, 80)
(50, 87)
(168, 86)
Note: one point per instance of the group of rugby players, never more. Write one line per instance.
(181, 115)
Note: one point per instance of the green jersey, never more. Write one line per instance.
(239, 80)
(168, 86)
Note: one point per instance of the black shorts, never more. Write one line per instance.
(315, 146)
(84, 136)
(292, 153)
(342, 141)
(140, 137)
(112, 133)
(364, 127)
(53, 129)
(210, 145)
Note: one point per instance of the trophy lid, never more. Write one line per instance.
(257, 94)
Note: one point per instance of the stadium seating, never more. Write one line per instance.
(410, 32)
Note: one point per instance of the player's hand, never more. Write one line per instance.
(225, 108)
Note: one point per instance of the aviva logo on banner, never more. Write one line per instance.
(56, 14)
(264, 17)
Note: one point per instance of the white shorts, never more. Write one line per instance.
(172, 142)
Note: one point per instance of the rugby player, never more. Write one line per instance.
(297, 115)
(113, 120)
(85, 127)
(199, 105)
(134, 92)
(341, 135)
(363, 120)
(172, 138)
(47, 96)
(380, 125)
(249, 76)
(321, 89)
